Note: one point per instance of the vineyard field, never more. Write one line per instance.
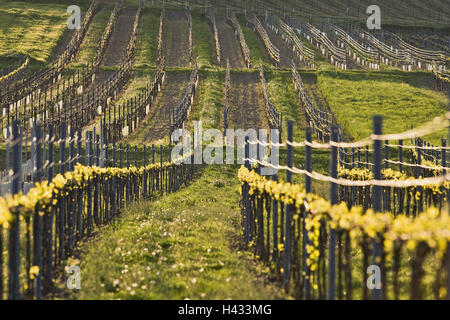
(224, 150)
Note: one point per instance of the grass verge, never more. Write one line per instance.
(183, 246)
(147, 52)
(89, 47)
(31, 28)
(356, 96)
(208, 107)
(203, 42)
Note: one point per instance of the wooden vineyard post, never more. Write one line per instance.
(386, 154)
(88, 162)
(62, 208)
(275, 220)
(367, 189)
(153, 170)
(167, 175)
(334, 200)
(71, 208)
(377, 199)
(419, 174)
(259, 211)
(14, 229)
(79, 147)
(48, 220)
(247, 196)
(359, 158)
(162, 170)
(8, 148)
(114, 211)
(136, 191)
(107, 188)
(287, 240)
(444, 171)
(400, 168)
(97, 182)
(306, 241)
(121, 155)
(144, 190)
(38, 219)
(367, 157)
(128, 178)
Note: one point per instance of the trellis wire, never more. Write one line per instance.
(333, 272)
(53, 232)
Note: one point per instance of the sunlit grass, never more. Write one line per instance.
(203, 41)
(147, 52)
(89, 47)
(255, 45)
(403, 99)
(31, 28)
(185, 245)
(208, 107)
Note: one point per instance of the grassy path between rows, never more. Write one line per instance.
(184, 246)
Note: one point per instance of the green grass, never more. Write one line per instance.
(147, 52)
(403, 99)
(283, 96)
(208, 107)
(255, 45)
(31, 28)
(89, 47)
(203, 41)
(186, 245)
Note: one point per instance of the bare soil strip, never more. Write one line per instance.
(117, 48)
(157, 123)
(176, 39)
(246, 108)
(229, 45)
(286, 54)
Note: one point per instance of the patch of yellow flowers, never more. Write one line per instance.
(432, 227)
(364, 174)
(43, 192)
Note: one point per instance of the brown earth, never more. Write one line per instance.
(286, 53)
(157, 123)
(117, 49)
(229, 45)
(176, 39)
(246, 102)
